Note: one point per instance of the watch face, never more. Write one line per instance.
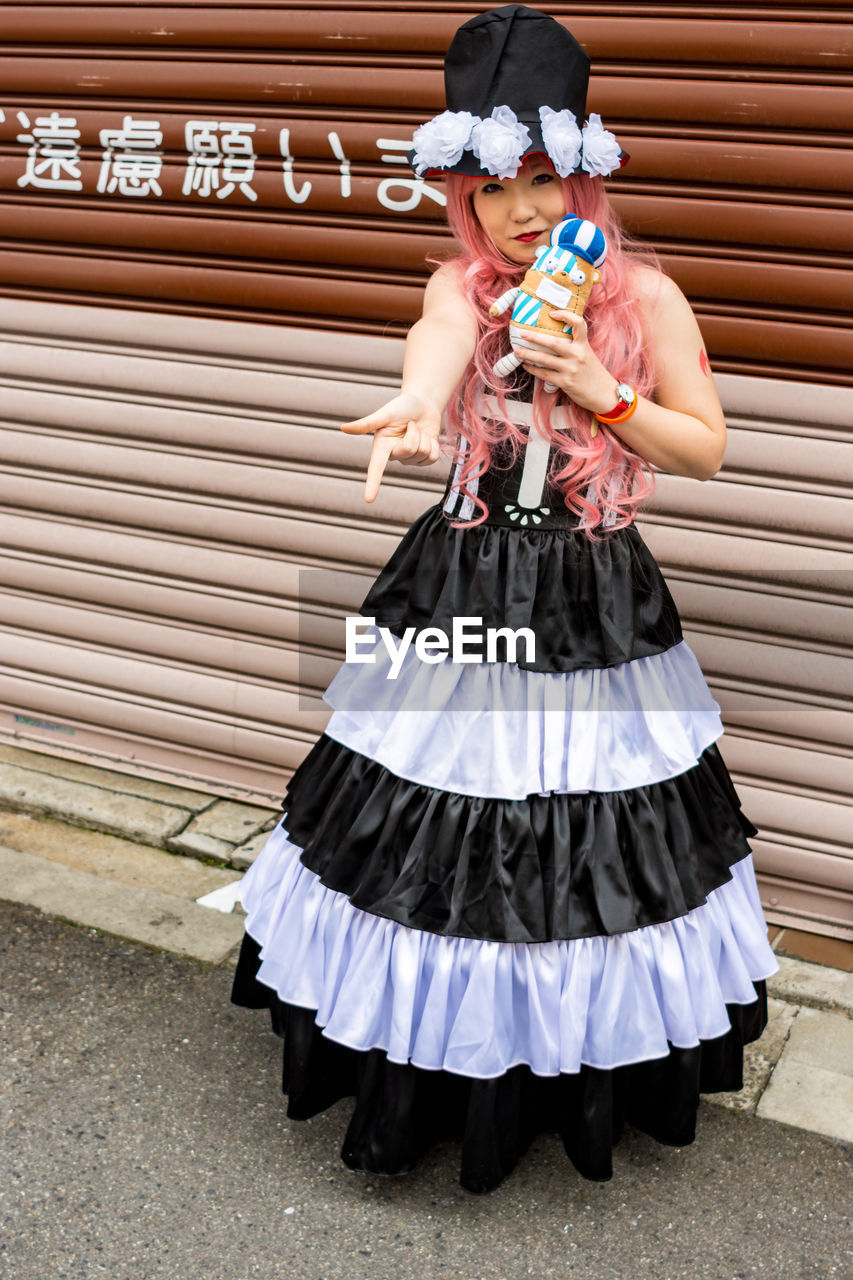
(626, 393)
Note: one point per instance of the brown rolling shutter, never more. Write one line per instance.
(246, 161)
(211, 244)
(183, 529)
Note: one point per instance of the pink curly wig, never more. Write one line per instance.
(602, 480)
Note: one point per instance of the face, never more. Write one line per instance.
(519, 213)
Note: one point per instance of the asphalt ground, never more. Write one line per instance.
(144, 1136)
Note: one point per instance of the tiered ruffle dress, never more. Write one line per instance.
(512, 896)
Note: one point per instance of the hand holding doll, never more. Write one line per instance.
(561, 276)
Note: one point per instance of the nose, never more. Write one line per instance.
(523, 206)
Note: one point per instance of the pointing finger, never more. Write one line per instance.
(381, 452)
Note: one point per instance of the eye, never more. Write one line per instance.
(488, 187)
(577, 275)
(545, 176)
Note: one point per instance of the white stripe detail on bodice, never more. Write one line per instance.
(537, 457)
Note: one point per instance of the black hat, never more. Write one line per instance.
(516, 83)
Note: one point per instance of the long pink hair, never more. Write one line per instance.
(602, 480)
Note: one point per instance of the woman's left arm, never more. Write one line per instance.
(682, 430)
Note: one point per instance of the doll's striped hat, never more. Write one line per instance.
(516, 83)
(583, 237)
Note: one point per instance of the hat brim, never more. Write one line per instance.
(470, 167)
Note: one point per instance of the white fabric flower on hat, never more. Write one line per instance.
(601, 151)
(562, 138)
(500, 141)
(440, 142)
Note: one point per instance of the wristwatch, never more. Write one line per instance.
(625, 405)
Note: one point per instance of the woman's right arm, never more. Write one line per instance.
(439, 348)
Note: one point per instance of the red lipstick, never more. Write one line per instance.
(528, 236)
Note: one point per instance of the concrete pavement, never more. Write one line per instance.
(160, 814)
(145, 1138)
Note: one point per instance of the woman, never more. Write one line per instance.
(517, 894)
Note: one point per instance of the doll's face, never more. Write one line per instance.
(571, 272)
(518, 214)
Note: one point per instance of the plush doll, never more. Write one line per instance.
(561, 277)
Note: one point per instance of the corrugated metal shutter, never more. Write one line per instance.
(246, 162)
(194, 299)
(183, 529)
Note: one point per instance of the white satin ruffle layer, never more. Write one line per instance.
(498, 731)
(479, 1008)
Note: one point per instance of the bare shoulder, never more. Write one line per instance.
(447, 282)
(654, 290)
(666, 315)
(452, 269)
(445, 298)
(682, 373)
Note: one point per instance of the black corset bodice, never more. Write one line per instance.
(590, 602)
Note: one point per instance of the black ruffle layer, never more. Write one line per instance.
(532, 870)
(401, 1111)
(589, 604)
